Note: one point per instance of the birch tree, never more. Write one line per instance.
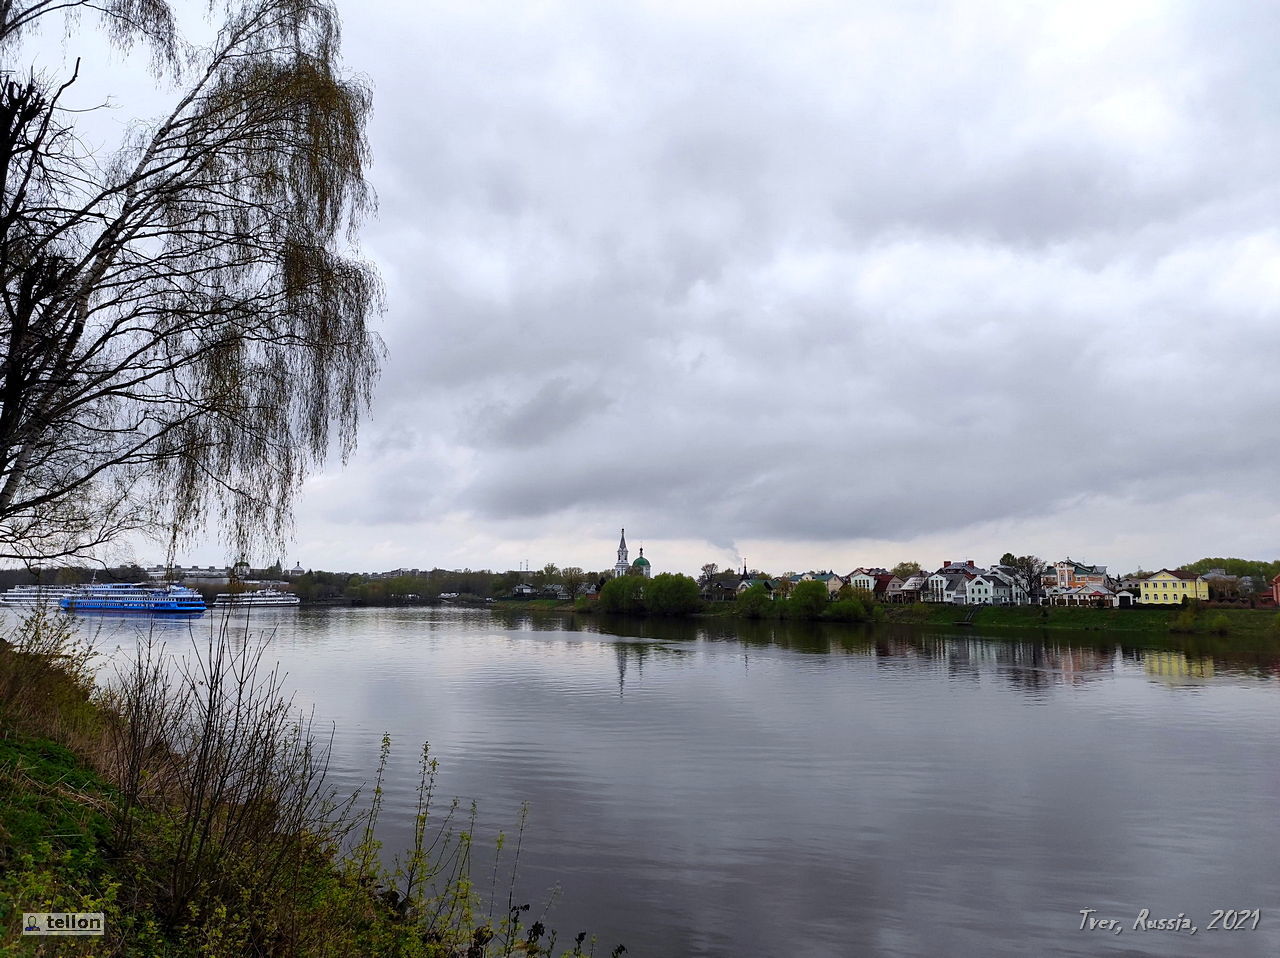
(185, 323)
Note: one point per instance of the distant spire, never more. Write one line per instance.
(622, 565)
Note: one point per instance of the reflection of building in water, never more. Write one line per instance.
(896, 648)
(624, 651)
(1074, 662)
(1174, 666)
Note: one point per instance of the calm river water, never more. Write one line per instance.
(735, 790)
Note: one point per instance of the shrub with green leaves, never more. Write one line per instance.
(809, 600)
(671, 594)
(754, 602)
(624, 594)
(847, 610)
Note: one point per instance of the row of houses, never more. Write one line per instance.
(964, 583)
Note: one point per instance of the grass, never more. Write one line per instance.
(192, 809)
(1240, 623)
(533, 605)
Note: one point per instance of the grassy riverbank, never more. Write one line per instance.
(1253, 625)
(192, 810)
(1243, 623)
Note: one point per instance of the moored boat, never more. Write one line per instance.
(137, 598)
(265, 598)
(29, 596)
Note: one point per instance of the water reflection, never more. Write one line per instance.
(1176, 668)
(1032, 660)
(707, 787)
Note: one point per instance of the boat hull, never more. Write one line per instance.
(144, 608)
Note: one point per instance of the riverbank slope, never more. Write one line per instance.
(193, 812)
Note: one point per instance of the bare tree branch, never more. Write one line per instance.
(185, 327)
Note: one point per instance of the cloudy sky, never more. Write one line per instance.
(821, 284)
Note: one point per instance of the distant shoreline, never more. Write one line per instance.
(1252, 623)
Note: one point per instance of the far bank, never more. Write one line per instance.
(1261, 624)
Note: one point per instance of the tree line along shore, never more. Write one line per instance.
(673, 594)
(1194, 618)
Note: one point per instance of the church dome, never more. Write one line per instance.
(640, 560)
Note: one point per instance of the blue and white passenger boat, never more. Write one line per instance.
(137, 598)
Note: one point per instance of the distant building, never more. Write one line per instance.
(770, 585)
(864, 579)
(723, 588)
(1172, 586)
(914, 588)
(832, 581)
(1069, 574)
(622, 566)
(888, 587)
(641, 566)
(1087, 595)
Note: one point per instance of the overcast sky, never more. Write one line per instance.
(817, 284)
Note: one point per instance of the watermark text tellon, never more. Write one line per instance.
(63, 923)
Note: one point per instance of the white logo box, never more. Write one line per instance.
(63, 923)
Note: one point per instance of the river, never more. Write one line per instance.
(720, 789)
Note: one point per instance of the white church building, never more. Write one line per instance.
(639, 567)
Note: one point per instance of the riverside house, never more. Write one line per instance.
(864, 579)
(1172, 586)
(1090, 595)
(832, 581)
(1069, 574)
(888, 587)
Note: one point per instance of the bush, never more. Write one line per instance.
(672, 594)
(1219, 624)
(625, 594)
(46, 678)
(808, 600)
(847, 610)
(754, 603)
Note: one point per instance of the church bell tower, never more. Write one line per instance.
(622, 565)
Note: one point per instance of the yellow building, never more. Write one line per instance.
(1170, 587)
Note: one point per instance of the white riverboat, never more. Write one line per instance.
(30, 596)
(258, 598)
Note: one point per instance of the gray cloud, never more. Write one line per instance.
(556, 407)
(821, 273)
